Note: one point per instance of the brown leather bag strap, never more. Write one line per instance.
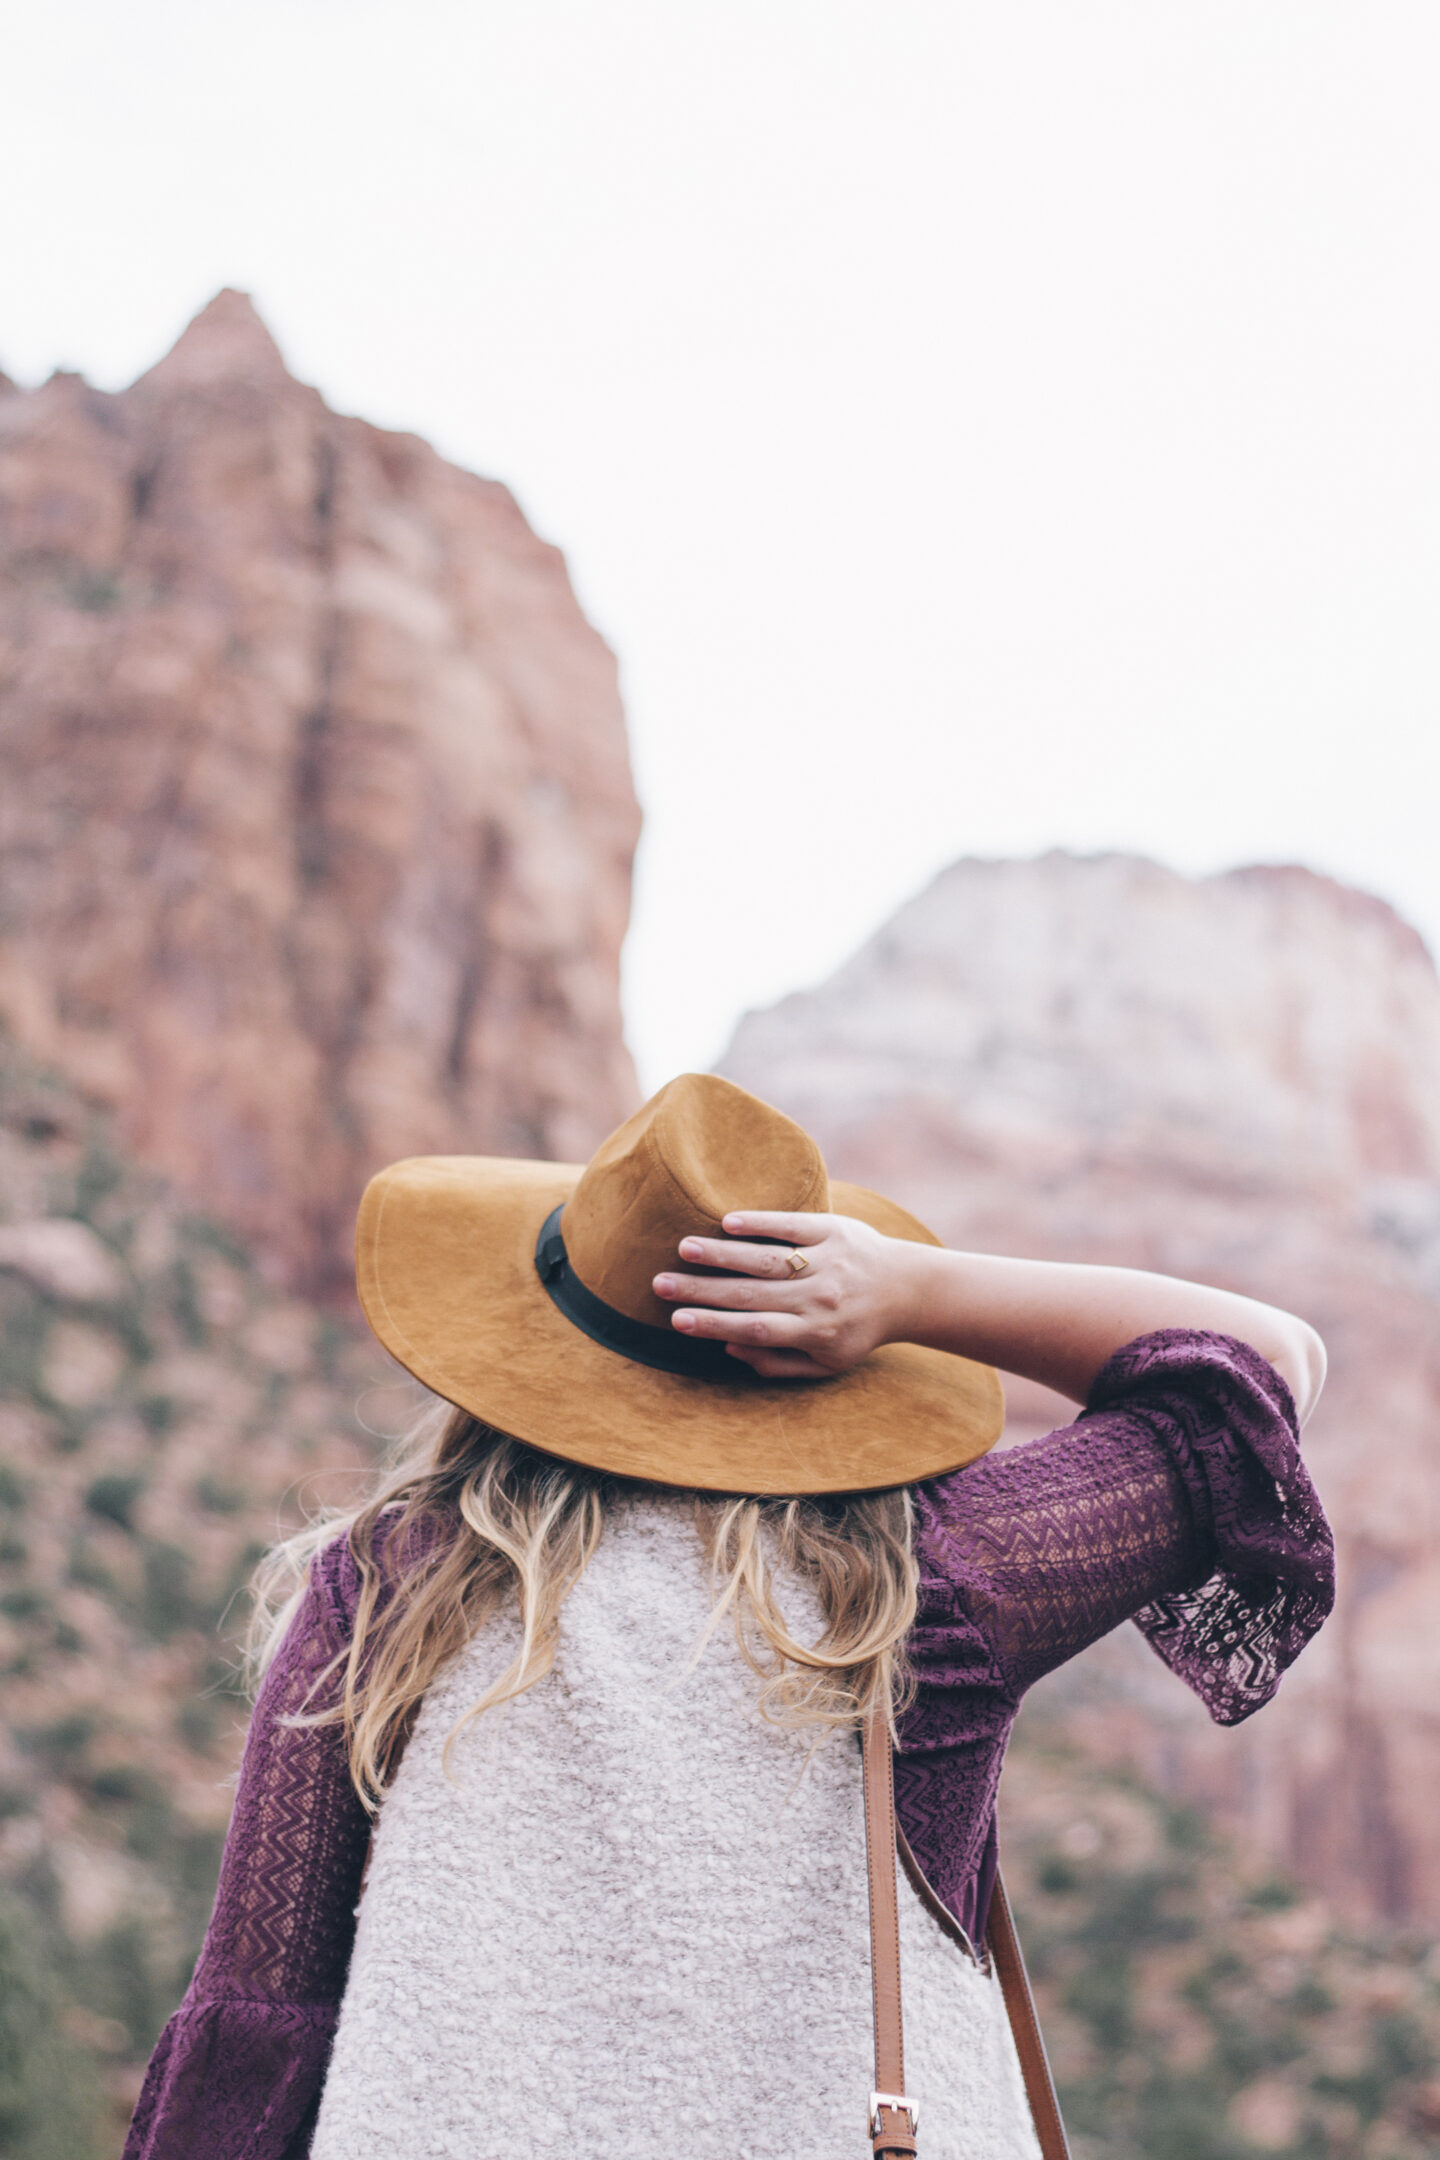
(1004, 1945)
(892, 2115)
(889, 2107)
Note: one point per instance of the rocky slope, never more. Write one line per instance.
(163, 1412)
(1236, 1078)
(316, 819)
(1194, 2007)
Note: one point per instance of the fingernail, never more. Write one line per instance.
(685, 1321)
(733, 1222)
(664, 1286)
(690, 1248)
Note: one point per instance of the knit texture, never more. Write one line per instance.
(634, 1917)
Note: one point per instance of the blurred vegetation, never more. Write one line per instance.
(1194, 2010)
(164, 1413)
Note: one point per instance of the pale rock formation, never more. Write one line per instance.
(1236, 1078)
(316, 819)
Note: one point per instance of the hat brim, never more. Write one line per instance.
(445, 1262)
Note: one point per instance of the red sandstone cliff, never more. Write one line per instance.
(316, 820)
(1236, 1078)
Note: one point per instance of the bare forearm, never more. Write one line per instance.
(1059, 1323)
(847, 1289)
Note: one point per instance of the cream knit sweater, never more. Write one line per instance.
(632, 1922)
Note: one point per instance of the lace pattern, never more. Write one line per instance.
(238, 2069)
(235, 2080)
(1178, 1498)
(1235, 1444)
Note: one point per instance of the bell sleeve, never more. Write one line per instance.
(1178, 1499)
(239, 2068)
(1227, 1421)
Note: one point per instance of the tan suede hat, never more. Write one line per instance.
(522, 1292)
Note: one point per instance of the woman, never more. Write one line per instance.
(706, 1486)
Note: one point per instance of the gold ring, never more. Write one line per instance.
(797, 1262)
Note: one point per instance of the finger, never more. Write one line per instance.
(770, 1262)
(790, 1229)
(737, 1293)
(779, 1364)
(758, 1331)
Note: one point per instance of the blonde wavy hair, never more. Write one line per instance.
(467, 1518)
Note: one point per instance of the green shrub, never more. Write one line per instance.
(166, 1605)
(100, 1174)
(93, 592)
(198, 1722)
(88, 1572)
(123, 1977)
(157, 1413)
(51, 2105)
(219, 1498)
(123, 1781)
(113, 1498)
(64, 1742)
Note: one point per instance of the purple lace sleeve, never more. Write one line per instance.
(1178, 1500)
(238, 2069)
(1228, 1422)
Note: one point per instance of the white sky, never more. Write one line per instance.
(976, 427)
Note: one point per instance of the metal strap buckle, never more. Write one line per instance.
(898, 2105)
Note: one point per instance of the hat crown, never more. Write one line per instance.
(697, 1150)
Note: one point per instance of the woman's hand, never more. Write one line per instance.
(852, 1294)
